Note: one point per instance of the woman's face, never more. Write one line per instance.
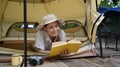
(52, 29)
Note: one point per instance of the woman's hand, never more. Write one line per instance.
(64, 52)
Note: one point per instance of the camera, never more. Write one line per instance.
(36, 60)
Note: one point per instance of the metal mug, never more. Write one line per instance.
(16, 59)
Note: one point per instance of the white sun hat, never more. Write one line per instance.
(49, 19)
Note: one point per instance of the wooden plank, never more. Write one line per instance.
(103, 62)
(115, 62)
(15, 43)
(45, 64)
(70, 63)
(20, 52)
(83, 63)
(98, 65)
(77, 63)
(49, 64)
(61, 64)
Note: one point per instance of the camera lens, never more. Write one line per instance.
(33, 62)
(41, 61)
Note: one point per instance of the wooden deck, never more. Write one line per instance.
(80, 62)
(111, 59)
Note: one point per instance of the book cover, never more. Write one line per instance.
(58, 47)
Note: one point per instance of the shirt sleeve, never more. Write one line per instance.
(39, 41)
(62, 36)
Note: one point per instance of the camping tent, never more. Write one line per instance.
(11, 11)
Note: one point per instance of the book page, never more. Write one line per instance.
(54, 44)
(74, 45)
(57, 48)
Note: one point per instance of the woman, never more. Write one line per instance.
(49, 32)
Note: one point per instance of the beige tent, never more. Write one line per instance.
(11, 11)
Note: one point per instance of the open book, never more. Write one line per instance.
(58, 47)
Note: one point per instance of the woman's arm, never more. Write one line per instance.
(39, 41)
(44, 51)
(41, 51)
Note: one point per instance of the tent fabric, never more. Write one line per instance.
(91, 16)
(61, 8)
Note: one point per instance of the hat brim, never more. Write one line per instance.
(60, 21)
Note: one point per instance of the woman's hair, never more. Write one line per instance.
(55, 39)
(48, 24)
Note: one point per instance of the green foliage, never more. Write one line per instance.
(18, 25)
(115, 1)
(69, 25)
(107, 3)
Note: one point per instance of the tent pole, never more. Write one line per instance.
(99, 32)
(97, 5)
(25, 34)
